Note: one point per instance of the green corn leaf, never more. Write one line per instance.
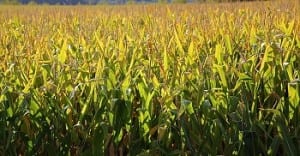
(253, 38)
(294, 98)
(285, 137)
(191, 54)
(125, 85)
(274, 146)
(221, 72)
(228, 44)
(178, 42)
(268, 57)
(290, 27)
(166, 62)
(62, 56)
(148, 102)
(219, 54)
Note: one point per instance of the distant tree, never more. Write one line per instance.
(130, 2)
(162, 1)
(179, 1)
(9, 2)
(93, 2)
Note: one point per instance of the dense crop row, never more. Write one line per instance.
(158, 79)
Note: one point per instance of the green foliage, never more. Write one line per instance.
(114, 80)
(14, 2)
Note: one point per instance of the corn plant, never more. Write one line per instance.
(204, 79)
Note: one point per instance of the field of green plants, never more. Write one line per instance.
(189, 79)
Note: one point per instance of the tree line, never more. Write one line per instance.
(93, 2)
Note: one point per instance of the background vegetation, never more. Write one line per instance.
(157, 79)
(93, 2)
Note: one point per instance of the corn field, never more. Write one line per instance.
(159, 79)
